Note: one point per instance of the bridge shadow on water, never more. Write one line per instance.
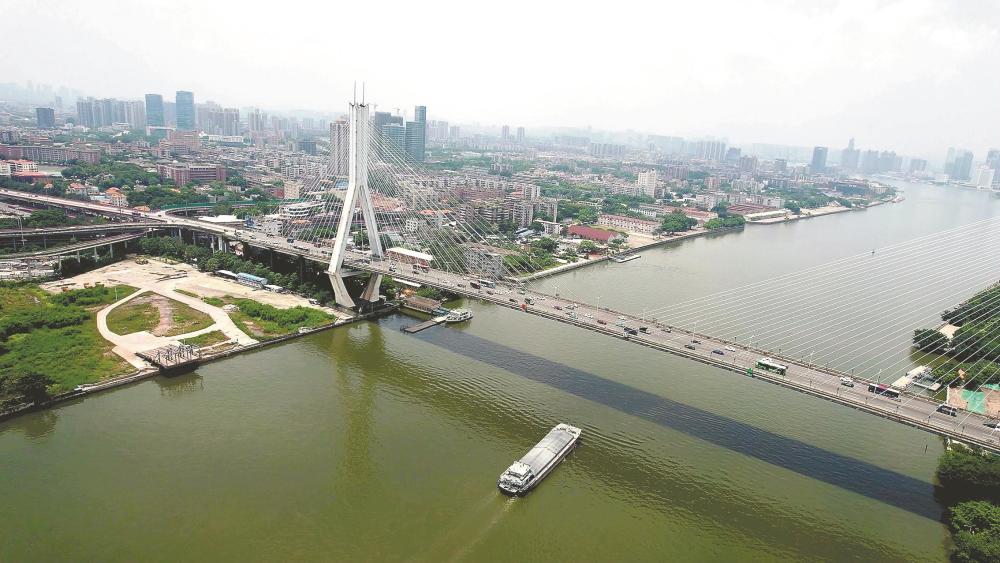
(861, 477)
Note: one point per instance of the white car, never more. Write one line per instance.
(730, 348)
(588, 315)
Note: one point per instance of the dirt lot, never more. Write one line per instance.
(183, 277)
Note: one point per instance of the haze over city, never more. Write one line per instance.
(911, 76)
(682, 281)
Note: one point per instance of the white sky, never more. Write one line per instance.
(915, 76)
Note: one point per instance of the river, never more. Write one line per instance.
(367, 444)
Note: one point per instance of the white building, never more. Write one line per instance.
(627, 224)
(647, 182)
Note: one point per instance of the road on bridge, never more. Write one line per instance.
(913, 410)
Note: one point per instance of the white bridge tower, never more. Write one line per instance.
(357, 195)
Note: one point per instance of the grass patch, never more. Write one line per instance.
(266, 322)
(207, 339)
(214, 301)
(187, 319)
(93, 296)
(188, 293)
(65, 354)
(134, 316)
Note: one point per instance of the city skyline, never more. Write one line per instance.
(888, 75)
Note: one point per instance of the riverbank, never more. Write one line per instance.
(146, 373)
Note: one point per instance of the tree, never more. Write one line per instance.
(27, 387)
(587, 215)
(676, 221)
(975, 526)
(966, 474)
(927, 340)
(536, 226)
(545, 244)
(793, 207)
(587, 246)
(722, 208)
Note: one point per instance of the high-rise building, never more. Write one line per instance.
(748, 165)
(394, 135)
(960, 167)
(505, 133)
(85, 112)
(520, 135)
(850, 157)
(154, 110)
(134, 114)
(169, 114)
(993, 161)
(818, 165)
(454, 132)
(46, 118)
(917, 165)
(340, 147)
(647, 182)
(185, 110)
(416, 134)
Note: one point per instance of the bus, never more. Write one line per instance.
(488, 283)
(884, 390)
(767, 364)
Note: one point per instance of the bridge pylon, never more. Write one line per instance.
(357, 194)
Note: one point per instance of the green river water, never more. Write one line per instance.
(368, 444)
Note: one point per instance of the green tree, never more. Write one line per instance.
(975, 526)
(545, 244)
(587, 246)
(927, 340)
(676, 221)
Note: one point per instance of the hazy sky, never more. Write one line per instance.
(911, 75)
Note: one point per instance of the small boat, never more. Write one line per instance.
(458, 315)
(524, 474)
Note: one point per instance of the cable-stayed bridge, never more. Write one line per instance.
(850, 318)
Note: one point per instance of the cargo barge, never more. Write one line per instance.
(526, 473)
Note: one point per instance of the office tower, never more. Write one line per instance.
(917, 165)
(818, 165)
(961, 166)
(154, 110)
(46, 118)
(520, 135)
(850, 157)
(169, 114)
(340, 147)
(505, 133)
(85, 112)
(394, 135)
(416, 134)
(185, 110)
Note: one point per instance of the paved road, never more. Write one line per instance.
(909, 409)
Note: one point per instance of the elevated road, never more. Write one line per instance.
(82, 229)
(74, 248)
(913, 410)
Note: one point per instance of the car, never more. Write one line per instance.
(589, 315)
(601, 322)
(945, 408)
(695, 341)
(489, 292)
(621, 317)
(689, 346)
(730, 348)
(521, 291)
(512, 300)
(557, 307)
(847, 381)
(992, 423)
(459, 285)
(719, 352)
(665, 329)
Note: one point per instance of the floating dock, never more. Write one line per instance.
(172, 356)
(623, 259)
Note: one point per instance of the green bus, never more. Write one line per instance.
(767, 364)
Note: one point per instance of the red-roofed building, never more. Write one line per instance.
(590, 233)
